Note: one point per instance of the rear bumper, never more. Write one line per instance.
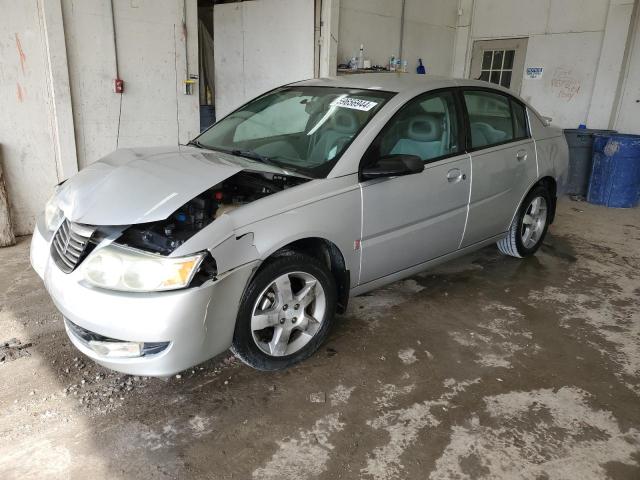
(197, 323)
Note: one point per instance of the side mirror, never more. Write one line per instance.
(394, 166)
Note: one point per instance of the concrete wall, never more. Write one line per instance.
(329, 34)
(627, 115)
(57, 66)
(374, 23)
(27, 141)
(579, 43)
(151, 56)
(258, 46)
(429, 32)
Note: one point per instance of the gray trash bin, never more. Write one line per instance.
(580, 142)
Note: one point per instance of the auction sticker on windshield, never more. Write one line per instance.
(354, 103)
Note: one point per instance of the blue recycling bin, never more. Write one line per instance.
(615, 176)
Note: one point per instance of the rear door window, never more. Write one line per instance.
(490, 119)
(519, 120)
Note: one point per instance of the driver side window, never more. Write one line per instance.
(426, 126)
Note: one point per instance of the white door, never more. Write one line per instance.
(260, 45)
(628, 118)
(499, 61)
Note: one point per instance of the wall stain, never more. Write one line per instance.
(21, 55)
(20, 93)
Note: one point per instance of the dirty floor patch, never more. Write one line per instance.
(485, 368)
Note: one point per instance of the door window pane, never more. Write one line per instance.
(486, 60)
(519, 120)
(505, 81)
(497, 59)
(489, 118)
(426, 127)
(497, 67)
(509, 55)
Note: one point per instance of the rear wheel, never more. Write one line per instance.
(529, 226)
(285, 313)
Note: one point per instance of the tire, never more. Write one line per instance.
(285, 297)
(529, 226)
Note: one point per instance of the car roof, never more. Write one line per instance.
(397, 82)
(410, 83)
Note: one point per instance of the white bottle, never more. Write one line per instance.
(361, 57)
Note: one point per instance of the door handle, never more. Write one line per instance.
(455, 175)
(521, 155)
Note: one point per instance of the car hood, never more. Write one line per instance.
(146, 184)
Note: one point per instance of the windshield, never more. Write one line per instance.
(301, 128)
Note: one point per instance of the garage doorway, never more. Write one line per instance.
(499, 61)
(249, 47)
(206, 66)
(258, 47)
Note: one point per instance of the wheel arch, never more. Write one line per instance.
(327, 252)
(551, 185)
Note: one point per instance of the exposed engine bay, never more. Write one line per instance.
(244, 187)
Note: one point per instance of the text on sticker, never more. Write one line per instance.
(354, 103)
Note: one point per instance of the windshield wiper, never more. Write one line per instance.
(251, 155)
(195, 143)
(238, 153)
(255, 156)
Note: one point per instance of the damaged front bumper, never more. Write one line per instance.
(192, 325)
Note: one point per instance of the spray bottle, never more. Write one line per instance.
(361, 57)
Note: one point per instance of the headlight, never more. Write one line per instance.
(119, 268)
(52, 214)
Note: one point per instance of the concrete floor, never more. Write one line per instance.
(489, 367)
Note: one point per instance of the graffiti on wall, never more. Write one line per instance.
(564, 84)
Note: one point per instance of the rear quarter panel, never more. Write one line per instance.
(552, 151)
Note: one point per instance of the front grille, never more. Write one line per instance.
(70, 245)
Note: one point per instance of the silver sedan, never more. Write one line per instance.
(255, 234)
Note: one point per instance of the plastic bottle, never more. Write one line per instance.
(361, 57)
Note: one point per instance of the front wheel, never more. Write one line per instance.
(286, 312)
(529, 226)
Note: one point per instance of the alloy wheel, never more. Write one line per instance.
(534, 222)
(288, 314)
